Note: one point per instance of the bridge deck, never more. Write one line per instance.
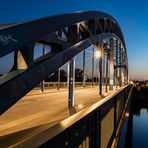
(50, 107)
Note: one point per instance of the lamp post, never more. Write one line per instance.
(98, 54)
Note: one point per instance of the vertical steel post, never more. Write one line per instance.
(111, 65)
(72, 38)
(59, 79)
(92, 28)
(100, 79)
(93, 67)
(122, 68)
(100, 69)
(103, 67)
(71, 82)
(42, 83)
(68, 74)
(84, 68)
(127, 76)
(120, 76)
(116, 63)
(42, 86)
(106, 81)
(97, 73)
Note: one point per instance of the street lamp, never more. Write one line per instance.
(97, 54)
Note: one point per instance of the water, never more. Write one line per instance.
(140, 129)
(137, 132)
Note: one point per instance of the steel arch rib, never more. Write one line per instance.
(26, 33)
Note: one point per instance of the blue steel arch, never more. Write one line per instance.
(26, 33)
(81, 30)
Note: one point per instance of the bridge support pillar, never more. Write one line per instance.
(93, 59)
(116, 70)
(111, 65)
(42, 83)
(100, 79)
(106, 81)
(59, 70)
(84, 76)
(71, 82)
(42, 86)
(120, 74)
(122, 68)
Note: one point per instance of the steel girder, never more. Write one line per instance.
(80, 29)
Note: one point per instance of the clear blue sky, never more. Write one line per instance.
(131, 15)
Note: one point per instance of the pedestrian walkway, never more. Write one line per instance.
(51, 106)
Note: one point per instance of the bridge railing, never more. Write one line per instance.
(65, 84)
(93, 127)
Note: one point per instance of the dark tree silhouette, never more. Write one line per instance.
(63, 76)
(78, 75)
(54, 77)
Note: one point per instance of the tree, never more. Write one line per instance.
(78, 75)
(63, 76)
(54, 77)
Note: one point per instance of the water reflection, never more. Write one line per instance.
(137, 132)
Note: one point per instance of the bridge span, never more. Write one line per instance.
(75, 114)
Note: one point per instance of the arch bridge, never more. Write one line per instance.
(65, 36)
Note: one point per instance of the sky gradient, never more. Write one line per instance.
(130, 14)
